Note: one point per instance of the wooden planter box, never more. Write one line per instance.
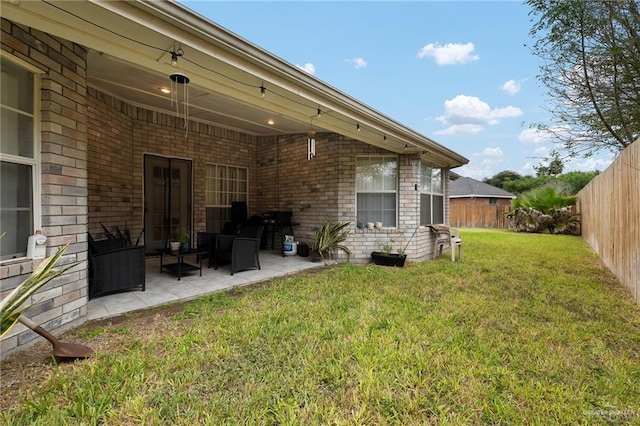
(390, 259)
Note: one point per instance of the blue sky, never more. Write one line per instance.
(456, 71)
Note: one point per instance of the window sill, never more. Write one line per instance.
(16, 267)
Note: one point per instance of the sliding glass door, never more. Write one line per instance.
(167, 199)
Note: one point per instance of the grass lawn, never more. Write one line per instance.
(527, 329)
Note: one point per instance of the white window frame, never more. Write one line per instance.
(430, 190)
(395, 191)
(218, 198)
(35, 162)
(214, 191)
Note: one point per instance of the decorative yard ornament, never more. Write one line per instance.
(311, 144)
(178, 80)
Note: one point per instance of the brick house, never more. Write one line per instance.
(475, 204)
(90, 137)
(466, 190)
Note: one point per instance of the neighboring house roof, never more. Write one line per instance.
(130, 45)
(466, 187)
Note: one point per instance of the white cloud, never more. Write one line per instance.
(542, 150)
(492, 152)
(449, 54)
(587, 164)
(527, 169)
(474, 170)
(308, 67)
(483, 164)
(479, 169)
(460, 129)
(357, 62)
(468, 115)
(533, 136)
(512, 86)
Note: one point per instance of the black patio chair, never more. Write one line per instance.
(114, 266)
(242, 250)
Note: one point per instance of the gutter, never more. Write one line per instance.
(509, 197)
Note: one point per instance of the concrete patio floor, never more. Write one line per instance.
(164, 288)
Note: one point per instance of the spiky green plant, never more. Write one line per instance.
(544, 208)
(12, 306)
(545, 199)
(329, 238)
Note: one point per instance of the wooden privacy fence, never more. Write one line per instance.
(610, 209)
(478, 216)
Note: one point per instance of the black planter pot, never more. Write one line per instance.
(388, 259)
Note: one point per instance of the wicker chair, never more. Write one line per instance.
(115, 267)
(241, 250)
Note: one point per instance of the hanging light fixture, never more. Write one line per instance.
(175, 54)
(358, 127)
(263, 91)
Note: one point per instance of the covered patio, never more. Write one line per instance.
(164, 288)
(148, 118)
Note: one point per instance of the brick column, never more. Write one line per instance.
(63, 178)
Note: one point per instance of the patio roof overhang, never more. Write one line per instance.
(130, 44)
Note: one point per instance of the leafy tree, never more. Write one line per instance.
(553, 168)
(575, 181)
(499, 178)
(524, 184)
(570, 182)
(591, 53)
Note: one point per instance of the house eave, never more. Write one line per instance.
(307, 85)
(167, 22)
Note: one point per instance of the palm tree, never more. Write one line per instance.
(546, 207)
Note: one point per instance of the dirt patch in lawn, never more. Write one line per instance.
(26, 371)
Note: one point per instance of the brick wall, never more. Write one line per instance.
(120, 135)
(110, 164)
(324, 188)
(63, 178)
(290, 182)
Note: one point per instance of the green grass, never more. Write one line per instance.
(527, 329)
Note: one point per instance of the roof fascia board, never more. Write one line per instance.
(511, 197)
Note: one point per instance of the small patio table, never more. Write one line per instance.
(180, 266)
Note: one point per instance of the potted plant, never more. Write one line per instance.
(386, 257)
(179, 240)
(330, 237)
